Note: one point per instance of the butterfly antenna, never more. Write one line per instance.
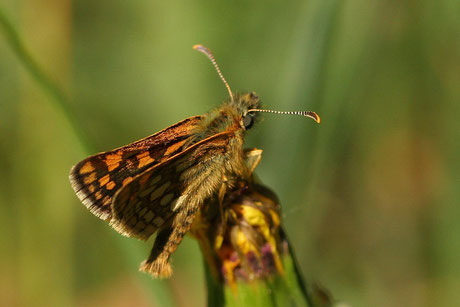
(208, 53)
(309, 114)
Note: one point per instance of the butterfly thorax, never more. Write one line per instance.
(231, 117)
(228, 117)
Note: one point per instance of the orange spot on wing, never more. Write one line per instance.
(86, 168)
(127, 180)
(112, 161)
(91, 188)
(90, 178)
(113, 157)
(111, 167)
(98, 195)
(110, 185)
(144, 159)
(142, 155)
(104, 180)
(174, 147)
(106, 201)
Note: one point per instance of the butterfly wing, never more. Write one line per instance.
(166, 197)
(154, 198)
(97, 178)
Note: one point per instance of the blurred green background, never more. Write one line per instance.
(370, 196)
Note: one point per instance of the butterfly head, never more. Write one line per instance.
(243, 103)
(246, 106)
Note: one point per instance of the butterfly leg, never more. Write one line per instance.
(166, 243)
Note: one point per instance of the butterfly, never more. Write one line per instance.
(159, 183)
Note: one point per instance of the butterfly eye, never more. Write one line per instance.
(248, 121)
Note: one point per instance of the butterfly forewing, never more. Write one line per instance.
(97, 178)
(152, 199)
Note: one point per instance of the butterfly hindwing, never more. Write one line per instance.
(152, 199)
(97, 178)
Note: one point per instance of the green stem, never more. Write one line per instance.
(214, 289)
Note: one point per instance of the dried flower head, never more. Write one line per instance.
(243, 240)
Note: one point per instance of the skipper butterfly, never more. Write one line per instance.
(159, 183)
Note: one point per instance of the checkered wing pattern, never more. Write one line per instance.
(152, 199)
(97, 178)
